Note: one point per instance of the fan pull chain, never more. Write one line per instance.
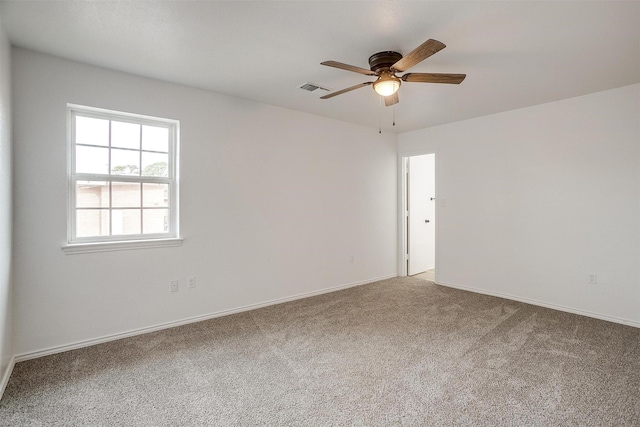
(380, 116)
(394, 115)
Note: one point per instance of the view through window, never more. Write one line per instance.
(122, 176)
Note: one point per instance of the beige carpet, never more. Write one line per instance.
(429, 275)
(401, 352)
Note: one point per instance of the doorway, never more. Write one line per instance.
(419, 230)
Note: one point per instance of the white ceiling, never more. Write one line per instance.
(515, 53)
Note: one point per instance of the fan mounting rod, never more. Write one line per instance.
(382, 60)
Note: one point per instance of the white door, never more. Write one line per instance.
(421, 213)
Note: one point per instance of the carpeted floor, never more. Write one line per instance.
(400, 352)
(426, 275)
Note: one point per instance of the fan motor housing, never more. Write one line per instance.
(383, 60)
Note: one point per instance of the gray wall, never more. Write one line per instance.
(273, 204)
(539, 198)
(6, 208)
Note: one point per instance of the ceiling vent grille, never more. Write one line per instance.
(313, 88)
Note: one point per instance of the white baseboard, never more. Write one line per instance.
(545, 304)
(6, 375)
(167, 325)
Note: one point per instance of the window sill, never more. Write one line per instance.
(80, 248)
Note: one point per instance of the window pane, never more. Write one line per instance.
(125, 194)
(155, 195)
(155, 138)
(123, 175)
(92, 160)
(155, 164)
(92, 131)
(92, 222)
(125, 162)
(125, 221)
(92, 194)
(155, 221)
(125, 135)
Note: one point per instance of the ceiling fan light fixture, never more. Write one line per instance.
(385, 65)
(386, 86)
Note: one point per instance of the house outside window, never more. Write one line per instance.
(123, 177)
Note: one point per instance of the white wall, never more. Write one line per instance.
(6, 207)
(273, 203)
(538, 198)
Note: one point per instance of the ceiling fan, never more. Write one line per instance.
(385, 65)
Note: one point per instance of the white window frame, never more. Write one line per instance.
(118, 242)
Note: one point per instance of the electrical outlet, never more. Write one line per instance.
(593, 278)
(174, 286)
(192, 281)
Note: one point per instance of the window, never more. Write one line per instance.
(122, 177)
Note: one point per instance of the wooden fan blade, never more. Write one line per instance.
(348, 67)
(418, 54)
(391, 100)
(434, 78)
(349, 89)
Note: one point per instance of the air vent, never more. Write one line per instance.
(313, 88)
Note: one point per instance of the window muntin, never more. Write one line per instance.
(122, 176)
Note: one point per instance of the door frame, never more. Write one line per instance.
(403, 211)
